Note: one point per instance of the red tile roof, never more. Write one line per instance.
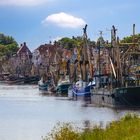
(43, 49)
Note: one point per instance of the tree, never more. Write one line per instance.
(8, 46)
(70, 43)
(67, 43)
(130, 39)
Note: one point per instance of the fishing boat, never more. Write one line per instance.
(123, 86)
(80, 91)
(63, 86)
(46, 86)
(43, 85)
(81, 88)
(46, 83)
(14, 79)
(119, 97)
(31, 79)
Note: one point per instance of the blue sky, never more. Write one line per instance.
(38, 21)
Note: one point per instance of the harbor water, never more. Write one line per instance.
(27, 114)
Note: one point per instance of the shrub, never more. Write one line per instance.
(127, 128)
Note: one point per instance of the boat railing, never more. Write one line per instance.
(100, 91)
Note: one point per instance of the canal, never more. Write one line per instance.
(26, 114)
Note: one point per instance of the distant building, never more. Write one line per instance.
(24, 54)
(23, 60)
(45, 56)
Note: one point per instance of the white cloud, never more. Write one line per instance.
(22, 2)
(64, 20)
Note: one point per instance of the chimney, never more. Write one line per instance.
(24, 43)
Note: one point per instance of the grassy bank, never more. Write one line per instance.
(127, 128)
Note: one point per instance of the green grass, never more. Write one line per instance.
(127, 128)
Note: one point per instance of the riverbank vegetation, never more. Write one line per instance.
(127, 128)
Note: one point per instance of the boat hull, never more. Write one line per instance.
(82, 94)
(125, 97)
(31, 80)
(43, 87)
(62, 89)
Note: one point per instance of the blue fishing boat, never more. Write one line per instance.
(81, 91)
(82, 87)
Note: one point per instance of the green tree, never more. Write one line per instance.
(8, 46)
(67, 43)
(70, 43)
(130, 39)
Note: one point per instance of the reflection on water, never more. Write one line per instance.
(25, 114)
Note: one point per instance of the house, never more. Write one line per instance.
(23, 60)
(46, 57)
(24, 54)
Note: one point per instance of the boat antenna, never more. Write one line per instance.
(101, 33)
(113, 35)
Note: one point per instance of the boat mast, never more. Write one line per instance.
(85, 61)
(115, 58)
(129, 56)
(99, 57)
